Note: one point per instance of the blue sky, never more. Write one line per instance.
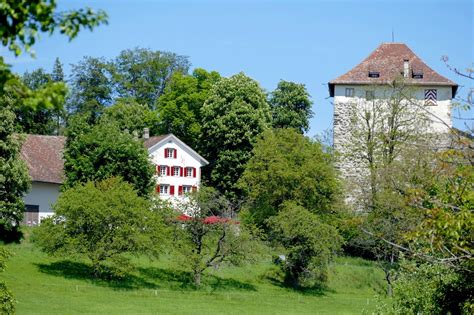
(309, 42)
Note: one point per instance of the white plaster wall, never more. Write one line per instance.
(184, 159)
(43, 195)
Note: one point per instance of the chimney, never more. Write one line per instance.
(146, 133)
(406, 68)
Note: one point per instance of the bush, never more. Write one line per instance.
(101, 221)
(309, 244)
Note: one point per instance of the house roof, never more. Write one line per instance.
(44, 158)
(44, 155)
(154, 142)
(388, 60)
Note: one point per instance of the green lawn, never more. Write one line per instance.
(43, 285)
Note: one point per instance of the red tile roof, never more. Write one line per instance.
(44, 158)
(388, 60)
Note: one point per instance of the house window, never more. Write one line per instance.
(164, 189)
(349, 92)
(374, 74)
(170, 153)
(369, 95)
(162, 170)
(176, 170)
(187, 189)
(31, 215)
(431, 97)
(189, 172)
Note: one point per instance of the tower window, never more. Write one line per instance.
(349, 92)
(369, 95)
(374, 74)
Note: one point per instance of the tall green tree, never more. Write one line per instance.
(14, 178)
(43, 121)
(57, 75)
(131, 116)
(234, 114)
(287, 166)
(91, 87)
(22, 22)
(102, 221)
(179, 108)
(101, 151)
(143, 74)
(291, 106)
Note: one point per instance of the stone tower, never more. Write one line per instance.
(372, 80)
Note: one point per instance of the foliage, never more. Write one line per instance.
(14, 178)
(286, 166)
(97, 152)
(7, 302)
(130, 116)
(179, 108)
(102, 221)
(91, 87)
(142, 74)
(291, 106)
(206, 235)
(21, 22)
(42, 120)
(309, 244)
(57, 75)
(234, 114)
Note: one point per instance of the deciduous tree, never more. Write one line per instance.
(234, 114)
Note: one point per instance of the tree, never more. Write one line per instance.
(7, 302)
(43, 121)
(21, 22)
(234, 114)
(91, 87)
(104, 221)
(130, 116)
(205, 235)
(103, 151)
(14, 178)
(309, 244)
(143, 74)
(286, 166)
(291, 106)
(57, 75)
(179, 108)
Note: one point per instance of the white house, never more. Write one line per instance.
(178, 167)
(178, 170)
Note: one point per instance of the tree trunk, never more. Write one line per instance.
(197, 278)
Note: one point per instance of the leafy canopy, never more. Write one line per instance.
(286, 166)
(22, 21)
(234, 114)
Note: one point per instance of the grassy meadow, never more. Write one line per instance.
(44, 285)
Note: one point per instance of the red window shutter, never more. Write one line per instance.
(168, 171)
(157, 169)
(157, 188)
(180, 190)
(194, 172)
(181, 171)
(166, 151)
(172, 190)
(194, 188)
(175, 152)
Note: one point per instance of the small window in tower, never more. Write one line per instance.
(349, 92)
(417, 74)
(369, 95)
(374, 74)
(431, 97)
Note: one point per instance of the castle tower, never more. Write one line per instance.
(374, 80)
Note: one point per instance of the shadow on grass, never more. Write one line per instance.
(182, 280)
(148, 278)
(277, 280)
(82, 271)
